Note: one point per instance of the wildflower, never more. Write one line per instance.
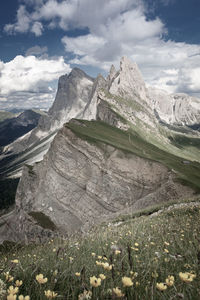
(86, 295)
(136, 244)
(166, 243)
(12, 290)
(99, 257)
(50, 294)
(154, 274)
(9, 278)
(169, 280)
(15, 261)
(21, 297)
(95, 282)
(11, 297)
(98, 263)
(166, 250)
(40, 278)
(78, 274)
(118, 292)
(127, 281)
(71, 259)
(18, 282)
(55, 273)
(167, 259)
(117, 252)
(93, 254)
(102, 276)
(187, 277)
(161, 286)
(106, 266)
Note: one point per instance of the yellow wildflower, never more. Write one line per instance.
(117, 252)
(118, 292)
(71, 259)
(18, 282)
(154, 274)
(50, 294)
(21, 297)
(99, 257)
(166, 243)
(9, 278)
(169, 280)
(86, 295)
(102, 276)
(106, 266)
(136, 244)
(161, 286)
(98, 263)
(187, 277)
(93, 254)
(40, 278)
(127, 281)
(11, 297)
(12, 290)
(15, 261)
(166, 250)
(78, 274)
(95, 282)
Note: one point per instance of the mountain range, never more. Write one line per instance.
(106, 147)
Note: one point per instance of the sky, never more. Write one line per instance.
(40, 40)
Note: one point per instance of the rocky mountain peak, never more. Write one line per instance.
(129, 81)
(69, 87)
(112, 73)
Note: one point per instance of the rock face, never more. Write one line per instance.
(175, 109)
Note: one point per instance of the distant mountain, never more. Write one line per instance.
(6, 115)
(13, 128)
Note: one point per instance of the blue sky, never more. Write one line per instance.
(42, 39)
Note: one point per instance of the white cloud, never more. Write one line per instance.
(36, 50)
(31, 77)
(23, 22)
(37, 28)
(116, 28)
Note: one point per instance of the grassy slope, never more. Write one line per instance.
(166, 244)
(130, 141)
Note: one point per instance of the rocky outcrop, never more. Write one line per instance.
(175, 109)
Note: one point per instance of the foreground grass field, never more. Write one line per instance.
(146, 257)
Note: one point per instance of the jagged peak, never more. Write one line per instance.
(112, 73)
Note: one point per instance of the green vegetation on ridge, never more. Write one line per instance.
(130, 141)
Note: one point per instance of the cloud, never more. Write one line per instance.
(36, 50)
(23, 22)
(31, 77)
(116, 28)
(37, 28)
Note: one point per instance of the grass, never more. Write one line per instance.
(129, 141)
(150, 249)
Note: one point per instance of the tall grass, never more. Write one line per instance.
(145, 249)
